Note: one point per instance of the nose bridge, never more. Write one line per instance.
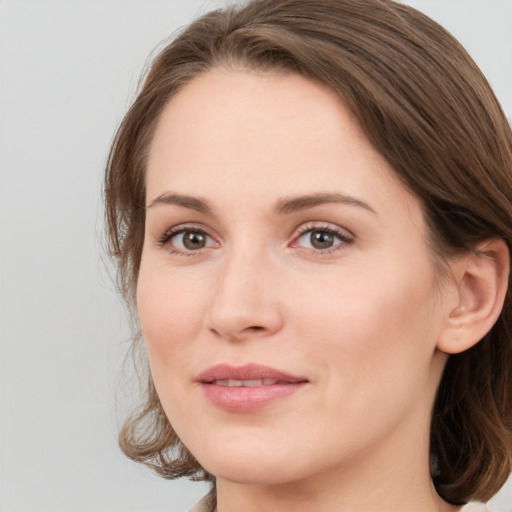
(243, 302)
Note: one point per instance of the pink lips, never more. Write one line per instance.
(247, 388)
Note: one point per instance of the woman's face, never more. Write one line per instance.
(286, 292)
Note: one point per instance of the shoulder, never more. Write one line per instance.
(475, 507)
(206, 504)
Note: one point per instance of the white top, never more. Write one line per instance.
(203, 506)
(476, 507)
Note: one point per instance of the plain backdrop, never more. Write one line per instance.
(69, 69)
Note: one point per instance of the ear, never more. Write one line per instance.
(480, 282)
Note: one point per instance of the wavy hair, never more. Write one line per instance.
(427, 108)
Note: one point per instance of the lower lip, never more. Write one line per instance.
(248, 399)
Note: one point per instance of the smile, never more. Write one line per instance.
(248, 388)
(232, 383)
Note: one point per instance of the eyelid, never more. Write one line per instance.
(343, 234)
(165, 239)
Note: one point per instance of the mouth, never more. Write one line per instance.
(249, 375)
(248, 388)
(233, 383)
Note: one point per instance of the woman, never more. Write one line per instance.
(310, 205)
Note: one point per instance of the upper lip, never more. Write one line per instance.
(247, 372)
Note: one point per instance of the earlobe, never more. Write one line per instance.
(481, 282)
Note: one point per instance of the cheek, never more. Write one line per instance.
(370, 341)
(378, 323)
(169, 315)
(169, 320)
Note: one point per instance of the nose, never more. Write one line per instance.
(243, 303)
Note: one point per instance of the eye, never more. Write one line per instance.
(190, 240)
(187, 240)
(319, 239)
(322, 239)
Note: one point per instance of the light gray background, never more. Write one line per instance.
(68, 72)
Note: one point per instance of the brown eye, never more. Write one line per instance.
(321, 239)
(194, 240)
(187, 241)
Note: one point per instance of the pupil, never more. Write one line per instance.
(321, 240)
(194, 240)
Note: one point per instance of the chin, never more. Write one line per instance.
(248, 463)
(250, 472)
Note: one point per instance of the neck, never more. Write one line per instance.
(348, 496)
(391, 477)
(233, 497)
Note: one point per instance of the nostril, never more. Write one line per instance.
(255, 328)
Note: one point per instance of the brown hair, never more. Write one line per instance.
(426, 107)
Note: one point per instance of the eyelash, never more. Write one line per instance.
(344, 238)
(165, 239)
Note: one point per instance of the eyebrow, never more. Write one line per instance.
(193, 203)
(283, 206)
(290, 205)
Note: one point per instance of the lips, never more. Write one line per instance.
(247, 388)
(235, 383)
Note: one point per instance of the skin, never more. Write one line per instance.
(361, 320)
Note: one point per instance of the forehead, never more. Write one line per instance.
(244, 101)
(264, 134)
